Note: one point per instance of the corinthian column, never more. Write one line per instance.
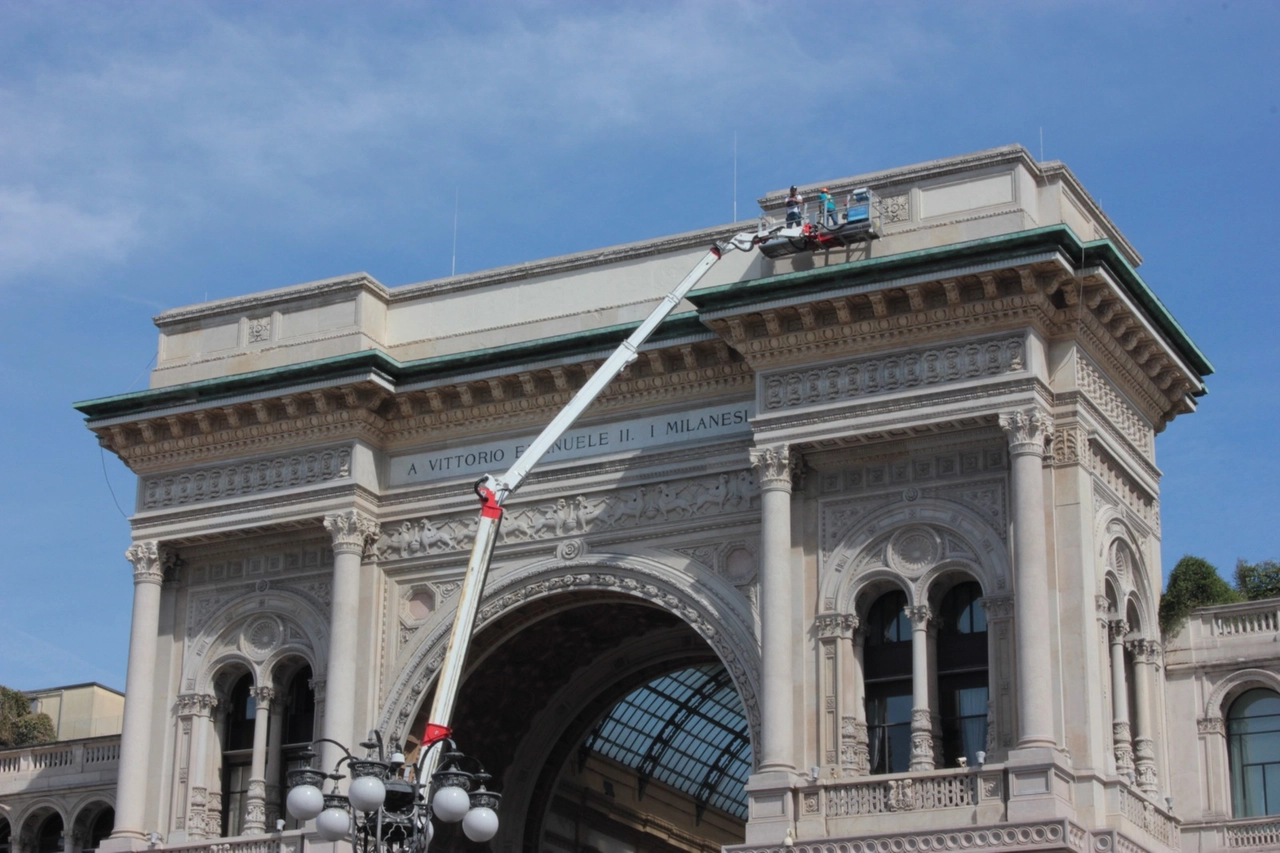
(255, 808)
(773, 470)
(1146, 656)
(921, 713)
(1121, 738)
(149, 560)
(351, 531)
(1028, 431)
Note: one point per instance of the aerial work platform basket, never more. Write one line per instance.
(822, 229)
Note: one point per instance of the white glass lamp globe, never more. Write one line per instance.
(480, 824)
(367, 794)
(333, 824)
(450, 804)
(304, 802)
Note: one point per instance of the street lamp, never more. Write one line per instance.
(388, 806)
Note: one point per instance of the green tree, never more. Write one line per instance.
(34, 729)
(20, 727)
(1258, 580)
(1193, 583)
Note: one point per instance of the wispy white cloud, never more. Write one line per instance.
(172, 116)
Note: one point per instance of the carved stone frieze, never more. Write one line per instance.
(1067, 445)
(246, 478)
(660, 503)
(1212, 726)
(881, 375)
(1118, 411)
(832, 625)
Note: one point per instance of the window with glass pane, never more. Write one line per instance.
(887, 671)
(889, 731)
(1253, 744)
(962, 674)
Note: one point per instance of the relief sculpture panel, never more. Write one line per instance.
(863, 377)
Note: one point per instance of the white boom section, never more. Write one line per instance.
(494, 490)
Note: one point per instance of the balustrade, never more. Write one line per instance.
(1263, 833)
(63, 758)
(1235, 623)
(1144, 814)
(277, 842)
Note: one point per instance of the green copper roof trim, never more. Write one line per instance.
(942, 258)
(395, 371)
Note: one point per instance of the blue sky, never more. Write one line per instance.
(154, 154)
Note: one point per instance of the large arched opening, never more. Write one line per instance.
(608, 723)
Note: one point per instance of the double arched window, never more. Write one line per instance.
(1253, 748)
(957, 687)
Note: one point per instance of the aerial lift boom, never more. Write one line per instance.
(494, 490)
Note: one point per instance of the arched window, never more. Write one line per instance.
(887, 671)
(49, 836)
(237, 754)
(1253, 744)
(297, 730)
(962, 673)
(5, 832)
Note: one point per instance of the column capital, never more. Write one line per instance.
(1028, 430)
(997, 608)
(263, 696)
(776, 466)
(352, 531)
(1145, 651)
(150, 561)
(833, 625)
(196, 704)
(1118, 629)
(1211, 726)
(317, 688)
(919, 614)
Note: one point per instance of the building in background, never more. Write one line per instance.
(61, 796)
(864, 546)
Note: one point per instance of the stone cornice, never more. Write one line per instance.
(339, 285)
(567, 263)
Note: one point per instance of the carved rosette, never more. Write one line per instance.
(150, 560)
(255, 809)
(1123, 745)
(921, 739)
(352, 531)
(775, 467)
(1028, 431)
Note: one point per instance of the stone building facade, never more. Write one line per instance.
(900, 496)
(60, 796)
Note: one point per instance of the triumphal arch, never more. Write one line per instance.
(861, 553)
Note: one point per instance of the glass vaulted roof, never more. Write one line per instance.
(687, 730)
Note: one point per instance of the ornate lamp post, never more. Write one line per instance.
(389, 805)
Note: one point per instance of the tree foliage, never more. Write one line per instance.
(1193, 583)
(1258, 580)
(20, 727)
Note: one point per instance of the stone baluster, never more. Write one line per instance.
(921, 715)
(255, 808)
(1028, 430)
(351, 531)
(1120, 734)
(778, 724)
(1146, 657)
(149, 561)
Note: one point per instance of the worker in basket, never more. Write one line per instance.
(828, 205)
(795, 203)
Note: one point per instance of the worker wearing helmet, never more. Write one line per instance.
(795, 202)
(828, 206)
